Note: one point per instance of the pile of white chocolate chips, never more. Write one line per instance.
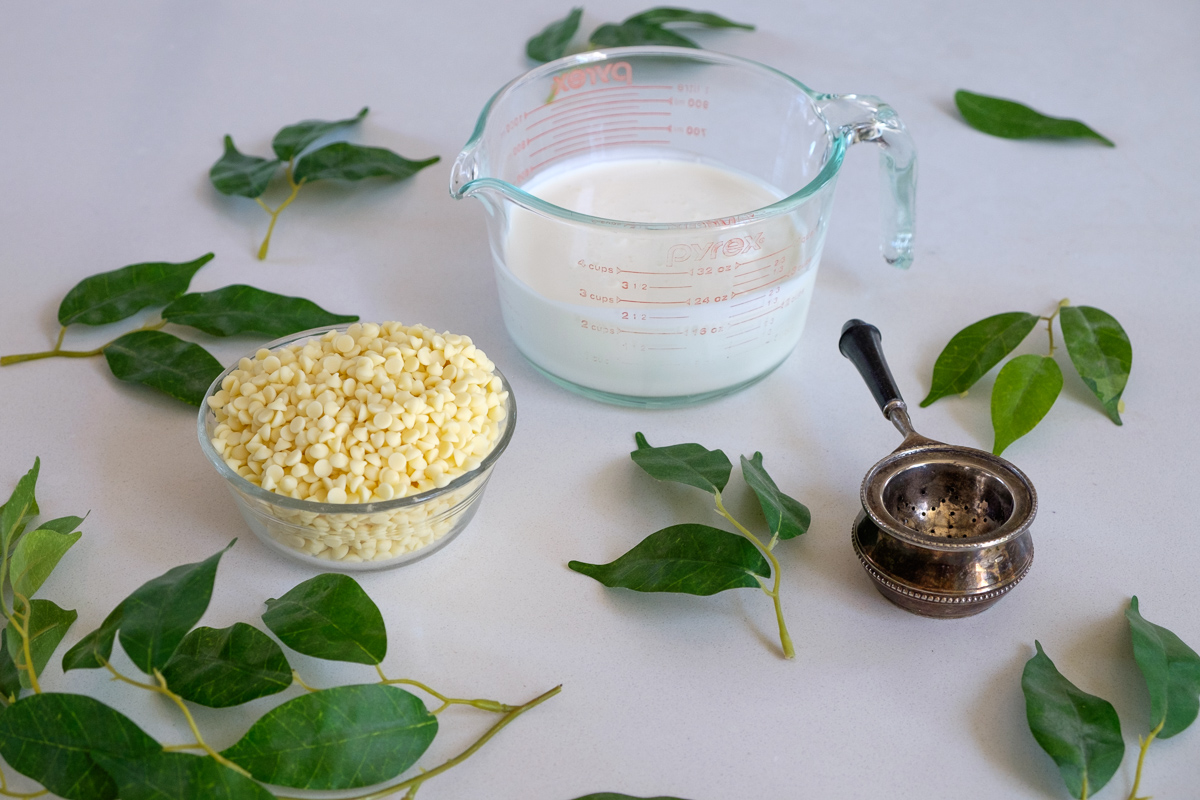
(372, 414)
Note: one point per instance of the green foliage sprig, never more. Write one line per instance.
(648, 27)
(161, 360)
(339, 738)
(249, 176)
(1082, 732)
(1011, 120)
(1028, 385)
(700, 559)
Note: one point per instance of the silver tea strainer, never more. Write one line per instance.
(944, 529)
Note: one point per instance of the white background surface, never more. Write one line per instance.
(110, 116)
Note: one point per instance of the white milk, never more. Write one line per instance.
(655, 313)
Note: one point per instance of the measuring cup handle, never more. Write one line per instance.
(863, 118)
(860, 342)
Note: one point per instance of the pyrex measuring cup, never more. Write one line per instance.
(669, 312)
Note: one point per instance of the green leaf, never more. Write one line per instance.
(330, 617)
(662, 16)
(51, 738)
(165, 362)
(20, 508)
(48, 624)
(688, 558)
(1100, 351)
(88, 651)
(290, 141)
(243, 309)
(178, 776)
(1079, 731)
(10, 677)
(690, 464)
(786, 517)
(241, 175)
(227, 667)
(112, 296)
(1025, 390)
(62, 525)
(1171, 670)
(161, 611)
(1011, 120)
(35, 557)
(352, 162)
(552, 42)
(632, 32)
(340, 738)
(974, 350)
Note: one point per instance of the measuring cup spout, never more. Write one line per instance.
(863, 118)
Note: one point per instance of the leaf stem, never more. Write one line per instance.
(414, 783)
(1050, 322)
(1145, 745)
(274, 212)
(785, 639)
(178, 701)
(296, 677)
(58, 352)
(161, 688)
(6, 792)
(20, 623)
(483, 705)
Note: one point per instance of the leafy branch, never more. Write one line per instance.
(161, 360)
(1027, 386)
(1082, 732)
(648, 27)
(699, 559)
(242, 175)
(340, 738)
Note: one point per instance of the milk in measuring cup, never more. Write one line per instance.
(626, 311)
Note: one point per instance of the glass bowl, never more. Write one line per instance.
(355, 537)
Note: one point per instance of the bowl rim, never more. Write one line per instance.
(245, 487)
(1025, 502)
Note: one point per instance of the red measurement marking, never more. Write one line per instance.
(751, 272)
(636, 272)
(563, 101)
(635, 102)
(672, 287)
(765, 285)
(586, 149)
(740, 264)
(581, 95)
(634, 113)
(654, 302)
(740, 344)
(631, 115)
(628, 106)
(760, 316)
(666, 128)
(748, 311)
(682, 317)
(618, 139)
(735, 305)
(605, 131)
(652, 333)
(746, 332)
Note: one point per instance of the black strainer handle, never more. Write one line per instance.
(860, 342)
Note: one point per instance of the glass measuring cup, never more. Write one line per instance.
(667, 313)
